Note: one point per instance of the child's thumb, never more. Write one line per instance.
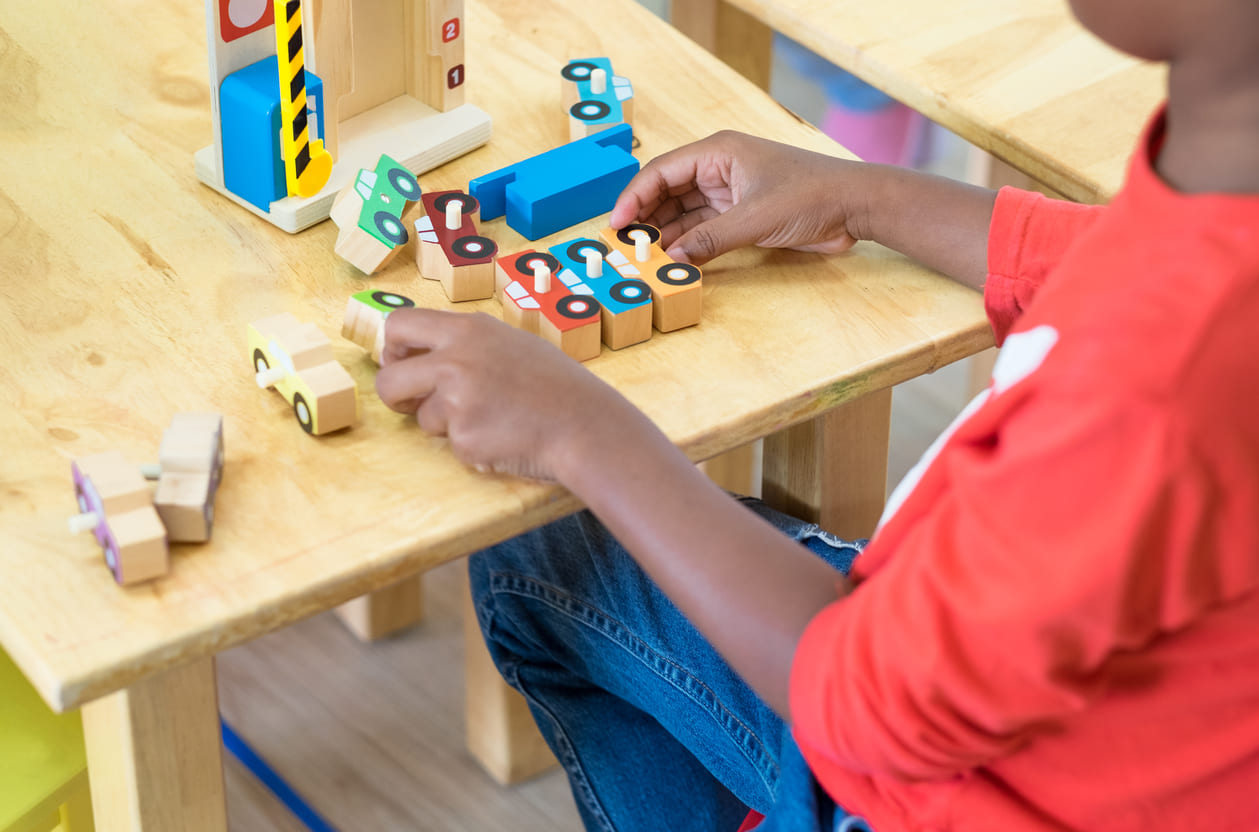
(724, 232)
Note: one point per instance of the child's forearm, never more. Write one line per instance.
(939, 222)
(748, 588)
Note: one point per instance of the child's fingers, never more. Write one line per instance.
(713, 236)
(672, 230)
(403, 385)
(661, 180)
(417, 329)
(431, 416)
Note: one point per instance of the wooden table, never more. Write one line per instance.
(127, 290)
(1018, 78)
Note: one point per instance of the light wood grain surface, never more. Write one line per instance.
(127, 288)
(1018, 78)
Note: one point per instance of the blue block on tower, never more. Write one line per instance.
(561, 187)
(249, 107)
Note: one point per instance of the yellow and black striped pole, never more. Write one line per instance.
(307, 165)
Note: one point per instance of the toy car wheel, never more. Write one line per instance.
(467, 204)
(678, 274)
(392, 301)
(576, 250)
(630, 291)
(524, 263)
(578, 71)
(305, 417)
(111, 558)
(577, 307)
(474, 247)
(390, 227)
(626, 235)
(590, 110)
(260, 362)
(404, 182)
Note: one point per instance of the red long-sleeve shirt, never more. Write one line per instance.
(1056, 626)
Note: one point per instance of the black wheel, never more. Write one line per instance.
(260, 362)
(589, 110)
(678, 274)
(577, 307)
(630, 291)
(467, 204)
(390, 227)
(524, 263)
(578, 70)
(474, 248)
(404, 182)
(302, 410)
(626, 235)
(391, 300)
(576, 250)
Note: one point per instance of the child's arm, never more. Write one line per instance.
(731, 190)
(512, 403)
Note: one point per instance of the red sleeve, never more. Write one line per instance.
(1007, 595)
(1027, 237)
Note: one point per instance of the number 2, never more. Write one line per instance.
(450, 30)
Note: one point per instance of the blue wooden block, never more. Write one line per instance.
(249, 106)
(615, 293)
(561, 187)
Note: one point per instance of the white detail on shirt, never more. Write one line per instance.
(1020, 356)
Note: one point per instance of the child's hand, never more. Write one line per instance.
(731, 190)
(509, 401)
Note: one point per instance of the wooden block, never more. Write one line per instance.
(193, 444)
(435, 52)
(461, 259)
(501, 733)
(115, 502)
(185, 502)
(155, 756)
(369, 215)
(570, 322)
(677, 291)
(297, 360)
(384, 612)
(625, 301)
(590, 110)
(364, 321)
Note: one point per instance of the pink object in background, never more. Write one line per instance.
(893, 135)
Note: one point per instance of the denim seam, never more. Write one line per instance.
(750, 744)
(567, 755)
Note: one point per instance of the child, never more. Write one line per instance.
(1054, 627)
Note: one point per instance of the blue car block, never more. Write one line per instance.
(616, 294)
(606, 108)
(249, 108)
(561, 187)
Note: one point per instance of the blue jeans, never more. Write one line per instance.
(653, 728)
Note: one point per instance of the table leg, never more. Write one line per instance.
(384, 612)
(733, 35)
(737, 470)
(501, 733)
(832, 470)
(154, 754)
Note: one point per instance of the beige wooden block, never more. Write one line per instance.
(193, 444)
(186, 505)
(385, 612)
(118, 483)
(141, 540)
(336, 396)
(364, 325)
(633, 326)
(580, 343)
(154, 754)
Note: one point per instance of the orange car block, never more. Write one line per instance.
(677, 291)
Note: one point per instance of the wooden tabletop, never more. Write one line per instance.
(128, 287)
(1018, 78)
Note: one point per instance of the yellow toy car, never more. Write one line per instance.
(296, 359)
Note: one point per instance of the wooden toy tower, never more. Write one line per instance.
(382, 76)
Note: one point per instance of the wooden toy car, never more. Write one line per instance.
(595, 97)
(364, 321)
(368, 213)
(296, 359)
(189, 471)
(115, 504)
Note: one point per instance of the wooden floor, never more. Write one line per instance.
(372, 736)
